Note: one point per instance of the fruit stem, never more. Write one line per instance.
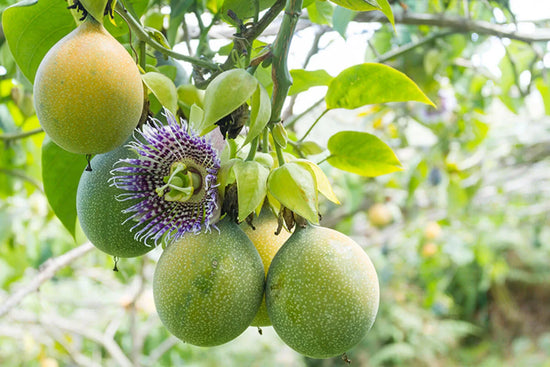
(312, 126)
(253, 149)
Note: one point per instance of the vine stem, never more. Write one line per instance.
(280, 74)
(142, 35)
(312, 126)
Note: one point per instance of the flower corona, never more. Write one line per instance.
(174, 178)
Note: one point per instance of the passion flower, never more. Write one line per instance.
(174, 179)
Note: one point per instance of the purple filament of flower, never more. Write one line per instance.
(158, 147)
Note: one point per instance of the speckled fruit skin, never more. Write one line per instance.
(267, 244)
(88, 92)
(322, 292)
(208, 287)
(100, 214)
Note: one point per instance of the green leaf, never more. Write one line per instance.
(260, 113)
(32, 28)
(385, 8)
(323, 184)
(359, 5)
(544, 90)
(251, 178)
(163, 88)
(61, 173)
(371, 83)
(302, 80)
(294, 186)
(361, 153)
(341, 18)
(225, 94)
(96, 8)
(320, 12)
(242, 9)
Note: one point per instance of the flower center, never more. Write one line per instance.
(180, 184)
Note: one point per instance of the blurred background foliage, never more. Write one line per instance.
(460, 237)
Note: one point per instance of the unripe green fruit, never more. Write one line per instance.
(267, 244)
(100, 214)
(88, 91)
(208, 287)
(322, 292)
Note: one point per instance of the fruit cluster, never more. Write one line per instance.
(317, 287)
(215, 278)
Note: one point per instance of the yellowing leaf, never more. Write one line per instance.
(323, 184)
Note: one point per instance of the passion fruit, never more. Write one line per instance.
(267, 243)
(88, 92)
(208, 287)
(100, 213)
(322, 292)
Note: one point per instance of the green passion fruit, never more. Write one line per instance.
(322, 292)
(100, 213)
(208, 287)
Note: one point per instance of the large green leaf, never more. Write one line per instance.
(371, 83)
(251, 178)
(163, 88)
(225, 94)
(32, 28)
(61, 173)
(294, 186)
(361, 153)
(302, 80)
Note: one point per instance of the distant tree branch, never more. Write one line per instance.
(459, 25)
(45, 273)
(23, 176)
(20, 135)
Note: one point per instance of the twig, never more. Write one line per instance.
(242, 42)
(46, 272)
(458, 24)
(162, 348)
(22, 176)
(20, 135)
(312, 51)
(392, 54)
(143, 36)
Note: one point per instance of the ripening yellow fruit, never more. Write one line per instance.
(379, 215)
(432, 231)
(267, 243)
(88, 92)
